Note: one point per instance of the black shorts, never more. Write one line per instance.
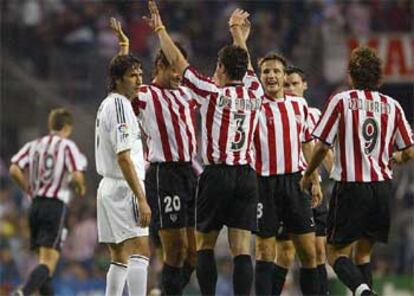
(283, 208)
(358, 210)
(48, 223)
(170, 189)
(227, 195)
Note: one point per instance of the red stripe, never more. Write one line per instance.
(251, 128)
(200, 92)
(224, 130)
(373, 173)
(342, 142)
(184, 120)
(258, 150)
(209, 127)
(287, 145)
(270, 126)
(330, 122)
(23, 155)
(357, 140)
(402, 128)
(55, 194)
(161, 126)
(71, 158)
(300, 129)
(138, 105)
(176, 125)
(384, 126)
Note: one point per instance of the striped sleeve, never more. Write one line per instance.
(74, 159)
(200, 86)
(306, 132)
(404, 136)
(139, 103)
(21, 158)
(327, 127)
(252, 83)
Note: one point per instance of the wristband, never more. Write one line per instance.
(159, 28)
(126, 43)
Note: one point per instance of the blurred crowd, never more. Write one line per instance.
(69, 43)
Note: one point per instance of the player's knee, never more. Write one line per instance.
(286, 254)
(176, 251)
(265, 250)
(362, 257)
(307, 256)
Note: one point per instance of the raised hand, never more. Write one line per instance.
(238, 18)
(154, 21)
(117, 29)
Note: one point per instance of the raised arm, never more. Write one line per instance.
(123, 40)
(240, 30)
(171, 51)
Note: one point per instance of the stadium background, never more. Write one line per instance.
(55, 53)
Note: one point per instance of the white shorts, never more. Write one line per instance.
(117, 212)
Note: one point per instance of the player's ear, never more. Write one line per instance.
(305, 85)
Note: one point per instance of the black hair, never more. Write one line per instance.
(235, 61)
(296, 70)
(119, 66)
(365, 68)
(58, 118)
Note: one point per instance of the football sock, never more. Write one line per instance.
(242, 275)
(38, 276)
(278, 279)
(263, 277)
(186, 273)
(206, 271)
(350, 275)
(323, 280)
(309, 281)
(47, 288)
(137, 274)
(115, 279)
(171, 280)
(366, 271)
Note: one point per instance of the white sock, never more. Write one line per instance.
(115, 279)
(137, 275)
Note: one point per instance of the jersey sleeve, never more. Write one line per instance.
(252, 83)
(200, 86)
(306, 132)
(21, 158)
(327, 128)
(404, 136)
(75, 161)
(139, 103)
(120, 122)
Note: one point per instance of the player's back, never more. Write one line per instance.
(49, 160)
(369, 126)
(117, 130)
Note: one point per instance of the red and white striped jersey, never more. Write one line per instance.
(282, 128)
(166, 116)
(364, 127)
(229, 116)
(48, 163)
(313, 117)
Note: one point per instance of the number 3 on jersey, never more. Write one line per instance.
(240, 135)
(370, 134)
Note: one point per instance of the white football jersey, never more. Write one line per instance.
(117, 130)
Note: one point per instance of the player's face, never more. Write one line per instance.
(272, 76)
(173, 77)
(130, 82)
(295, 84)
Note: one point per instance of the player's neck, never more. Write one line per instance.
(159, 81)
(276, 94)
(122, 93)
(227, 82)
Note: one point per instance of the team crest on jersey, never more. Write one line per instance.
(173, 217)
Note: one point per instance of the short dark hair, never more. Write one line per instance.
(296, 70)
(365, 68)
(58, 118)
(160, 57)
(235, 61)
(272, 56)
(119, 66)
